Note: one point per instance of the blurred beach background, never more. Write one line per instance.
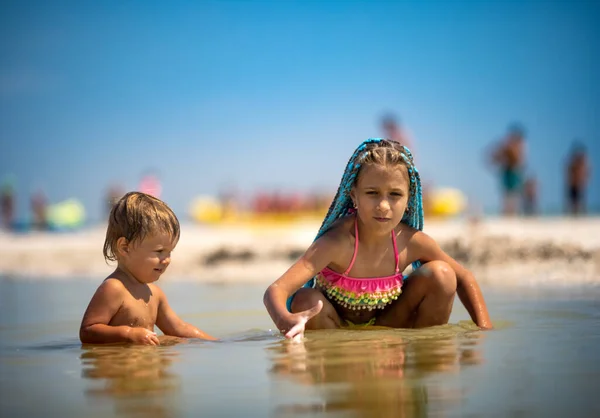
(241, 115)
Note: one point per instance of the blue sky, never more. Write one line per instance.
(277, 94)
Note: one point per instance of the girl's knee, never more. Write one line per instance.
(305, 299)
(441, 276)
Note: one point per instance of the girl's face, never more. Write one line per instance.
(381, 196)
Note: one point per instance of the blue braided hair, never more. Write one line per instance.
(342, 204)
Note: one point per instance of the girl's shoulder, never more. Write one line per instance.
(411, 236)
(403, 229)
(416, 241)
(338, 242)
(341, 232)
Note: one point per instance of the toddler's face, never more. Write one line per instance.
(148, 259)
(381, 195)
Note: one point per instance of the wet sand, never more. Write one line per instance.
(498, 250)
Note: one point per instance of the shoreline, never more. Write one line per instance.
(499, 251)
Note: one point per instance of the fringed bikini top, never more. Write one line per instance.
(361, 293)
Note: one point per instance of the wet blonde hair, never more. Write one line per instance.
(135, 216)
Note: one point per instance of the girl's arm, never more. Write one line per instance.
(425, 249)
(318, 256)
(171, 324)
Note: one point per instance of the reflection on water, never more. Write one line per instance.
(379, 373)
(541, 360)
(136, 377)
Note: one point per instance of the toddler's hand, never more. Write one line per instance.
(294, 325)
(143, 336)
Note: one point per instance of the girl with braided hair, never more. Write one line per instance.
(352, 273)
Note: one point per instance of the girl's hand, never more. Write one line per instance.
(486, 326)
(143, 336)
(293, 325)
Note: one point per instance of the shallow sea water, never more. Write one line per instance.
(543, 359)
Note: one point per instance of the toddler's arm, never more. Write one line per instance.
(170, 324)
(104, 305)
(424, 248)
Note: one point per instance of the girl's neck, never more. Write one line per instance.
(371, 239)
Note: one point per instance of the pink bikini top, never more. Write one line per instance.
(361, 293)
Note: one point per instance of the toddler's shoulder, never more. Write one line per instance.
(112, 285)
(156, 290)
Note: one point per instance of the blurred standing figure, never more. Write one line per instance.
(578, 173)
(509, 155)
(150, 184)
(7, 204)
(113, 194)
(394, 131)
(530, 196)
(39, 203)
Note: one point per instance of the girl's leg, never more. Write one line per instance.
(306, 298)
(426, 299)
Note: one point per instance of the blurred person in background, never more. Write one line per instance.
(393, 130)
(229, 199)
(577, 176)
(39, 204)
(7, 203)
(509, 156)
(113, 194)
(530, 196)
(150, 184)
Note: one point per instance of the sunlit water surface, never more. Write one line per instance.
(543, 359)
